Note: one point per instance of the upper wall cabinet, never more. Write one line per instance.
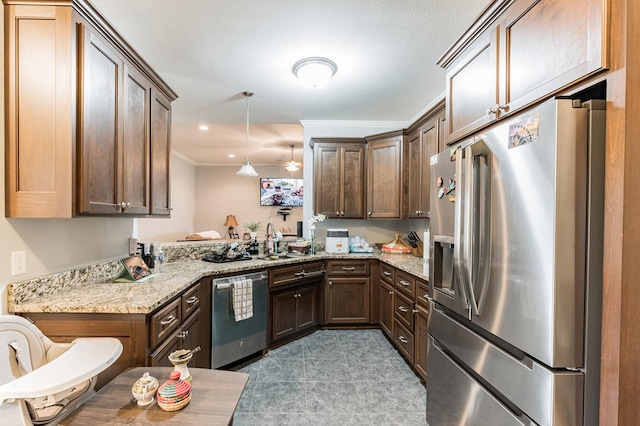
(424, 139)
(384, 175)
(339, 177)
(505, 62)
(84, 133)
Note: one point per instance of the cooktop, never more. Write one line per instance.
(216, 258)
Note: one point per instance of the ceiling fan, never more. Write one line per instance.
(292, 165)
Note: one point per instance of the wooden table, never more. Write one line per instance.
(215, 395)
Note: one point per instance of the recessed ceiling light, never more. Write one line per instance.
(203, 127)
(231, 156)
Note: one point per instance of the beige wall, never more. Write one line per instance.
(220, 192)
(180, 224)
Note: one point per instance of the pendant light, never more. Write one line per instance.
(291, 165)
(247, 169)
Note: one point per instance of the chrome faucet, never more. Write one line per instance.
(270, 236)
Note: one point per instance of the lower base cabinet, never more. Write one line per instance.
(386, 308)
(421, 341)
(147, 339)
(347, 300)
(293, 310)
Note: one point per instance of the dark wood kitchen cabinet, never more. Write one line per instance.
(147, 339)
(78, 116)
(386, 299)
(339, 177)
(295, 301)
(347, 292)
(421, 341)
(113, 130)
(294, 311)
(384, 175)
(160, 154)
(423, 141)
(505, 62)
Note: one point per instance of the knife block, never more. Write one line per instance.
(418, 251)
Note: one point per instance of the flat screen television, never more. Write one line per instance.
(282, 192)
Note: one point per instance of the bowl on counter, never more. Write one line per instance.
(299, 247)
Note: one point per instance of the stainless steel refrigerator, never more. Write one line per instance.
(516, 271)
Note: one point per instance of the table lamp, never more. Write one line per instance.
(231, 222)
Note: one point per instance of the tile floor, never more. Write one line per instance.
(333, 377)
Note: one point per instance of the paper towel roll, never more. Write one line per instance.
(427, 244)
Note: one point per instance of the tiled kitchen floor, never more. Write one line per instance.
(333, 377)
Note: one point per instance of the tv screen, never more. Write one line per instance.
(281, 192)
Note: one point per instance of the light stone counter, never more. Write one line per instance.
(74, 292)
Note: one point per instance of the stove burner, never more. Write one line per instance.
(216, 258)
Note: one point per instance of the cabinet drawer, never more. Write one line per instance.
(403, 308)
(403, 339)
(165, 321)
(349, 267)
(406, 283)
(191, 301)
(296, 274)
(387, 273)
(422, 293)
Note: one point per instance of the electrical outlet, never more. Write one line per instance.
(133, 245)
(18, 262)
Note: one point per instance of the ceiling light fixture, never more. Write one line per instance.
(291, 165)
(203, 127)
(314, 71)
(247, 169)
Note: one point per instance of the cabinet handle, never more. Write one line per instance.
(183, 334)
(127, 205)
(491, 111)
(415, 311)
(337, 213)
(500, 107)
(386, 273)
(313, 274)
(192, 300)
(299, 274)
(403, 309)
(369, 213)
(167, 320)
(390, 292)
(350, 268)
(341, 213)
(403, 339)
(426, 296)
(330, 282)
(404, 283)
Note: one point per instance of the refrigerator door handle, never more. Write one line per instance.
(460, 276)
(481, 237)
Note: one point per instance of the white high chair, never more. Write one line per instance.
(41, 382)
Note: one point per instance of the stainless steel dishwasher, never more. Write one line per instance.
(232, 340)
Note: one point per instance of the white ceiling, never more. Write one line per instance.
(209, 51)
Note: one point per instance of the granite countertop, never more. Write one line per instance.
(144, 297)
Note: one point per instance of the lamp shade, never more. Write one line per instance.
(231, 221)
(247, 170)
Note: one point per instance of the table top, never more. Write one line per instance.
(215, 395)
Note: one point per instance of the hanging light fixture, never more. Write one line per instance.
(291, 165)
(247, 169)
(314, 71)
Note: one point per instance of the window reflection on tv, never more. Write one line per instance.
(281, 192)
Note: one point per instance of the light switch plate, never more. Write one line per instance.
(18, 262)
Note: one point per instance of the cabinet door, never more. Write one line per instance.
(352, 196)
(386, 308)
(430, 138)
(135, 153)
(347, 300)
(384, 184)
(38, 104)
(191, 337)
(327, 179)
(306, 307)
(283, 314)
(160, 154)
(414, 175)
(471, 86)
(421, 342)
(534, 63)
(99, 120)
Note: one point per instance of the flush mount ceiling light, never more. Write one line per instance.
(314, 71)
(247, 169)
(291, 165)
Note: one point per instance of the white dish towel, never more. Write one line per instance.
(242, 298)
